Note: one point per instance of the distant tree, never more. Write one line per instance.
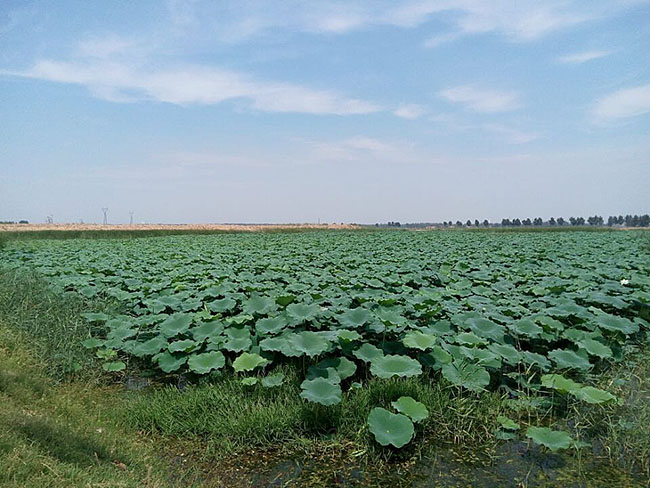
(476, 223)
(560, 221)
(620, 220)
(635, 221)
(580, 221)
(526, 222)
(644, 220)
(572, 221)
(486, 223)
(459, 223)
(23, 221)
(468, 223)
(516, 222)
(551, 221)
(611, 220)
(538, 221)
(628, 221)
(505, 223)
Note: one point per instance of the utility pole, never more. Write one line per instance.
(130, 218)
(105, 210)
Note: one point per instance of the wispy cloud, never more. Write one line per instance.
(623, 104)
(510, 135)
(583, 57)
(409, 111)
(187, 85)
(362, 149)
(482, 100)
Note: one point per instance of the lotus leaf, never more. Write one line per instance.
(206, 362)
(248, 362)
(415, 410)
(394, 365)
(320, 390)
(389, 428)
(553, 439)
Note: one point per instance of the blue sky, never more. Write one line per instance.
(246, 111)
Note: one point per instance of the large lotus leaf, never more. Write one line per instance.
(507, 352)
(389, 316)
(169, 363)
(302, 312)
(92, 343)
(440, 328)
(568, 359)
(182, 346)
(114, 366)
(272, 380)
(467, 375)
(343, 367)
(170, 301)
(206, 362)
(616, 324)
(596, 348)
(553, 439)
(409, 406)
(550, 323)
(560, 383)
(534, 359)
(237, 339)
(485, 328)
(355, 317)
(118, 334)
(526, 327)
(95, 317)
(248, 362)
(281, 344)
(175, 324)
(469, 338)
(348, 335)
(593, 395)
(206, 330)
(368, 352)
(389, 428)
(271, 325)
(259, 305)
(250, 381)
(309, 343)
(320, 390)
(394, 365)
(440, 355)
(222, 306)
(483, 357)
(150, 347)
(419, 340)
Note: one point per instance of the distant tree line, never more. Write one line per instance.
(14, 222)
(594, 221)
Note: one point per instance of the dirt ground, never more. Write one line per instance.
(136, 227)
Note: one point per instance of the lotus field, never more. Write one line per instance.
(535, 316)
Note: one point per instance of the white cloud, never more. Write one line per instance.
(409, 111)
(122, 82)
(583, 57)
(625, 103)
(482, 100)
(510, 135)
(362, 149)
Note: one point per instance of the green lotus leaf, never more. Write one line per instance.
(182, 346)
(526, 327)
(320, 390)
(259, 305)
(484, 357)
(302, 312)
(250, 381)
(485, 328)
(616, 324)
(309, 343)
(248, 362)
(389, 428)
(284, 300)
(349, 335)
(593, 395)
(368, 352)
(119, 334)
(175, 324)
(596, 348)
(237, 339)
(532, 358)
(342, 367)
(390, 317)
(222, 306)
(507, 352)
(114, 366)
(150, 347)
(568, 359)
(507, 423)
(354, 318)
(415, 410)
(419, 340)
(206, 330)
(94, 318)
(170, 363)
(469, 338)
(560, 383)
(395, 365)
(553, 439)
(206, 362)
(273, 380)
(92, 343)
(271, 325)
(467, 375)
(440, 355)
